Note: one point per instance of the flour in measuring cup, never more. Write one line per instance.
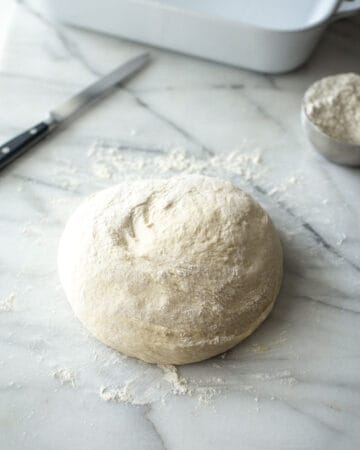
(333, 104)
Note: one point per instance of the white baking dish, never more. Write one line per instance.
(264, 35)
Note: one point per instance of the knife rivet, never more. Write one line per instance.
(5, 150)
(33, 131)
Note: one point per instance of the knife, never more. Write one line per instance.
(21, 143)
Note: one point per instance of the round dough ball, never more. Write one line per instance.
(171, 271)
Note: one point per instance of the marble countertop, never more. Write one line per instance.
(294, 384)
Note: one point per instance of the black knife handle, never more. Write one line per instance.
(21, 143)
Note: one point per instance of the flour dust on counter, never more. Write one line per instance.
(7, 304)
(114, 161)
(169, 382)
(147, 389)
(65, 376)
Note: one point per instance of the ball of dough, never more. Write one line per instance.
(171, 271)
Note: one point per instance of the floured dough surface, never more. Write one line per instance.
(171, 271)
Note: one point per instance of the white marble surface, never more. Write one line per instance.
(294, 384)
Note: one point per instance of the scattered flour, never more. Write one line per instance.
(341, 239)
(258, 348)
(65, 376)
(116, 395)
(7, 304)
(216, 366)
(115, 162)
(286, 185)
(58, 201)
(178, 383)
(281, 375)
(145, 388)
(112, 161)
(333, 104)
(206, 395)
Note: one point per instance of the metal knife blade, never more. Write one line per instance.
(15, 147)
(96, 90)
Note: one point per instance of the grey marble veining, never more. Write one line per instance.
(294, 384)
